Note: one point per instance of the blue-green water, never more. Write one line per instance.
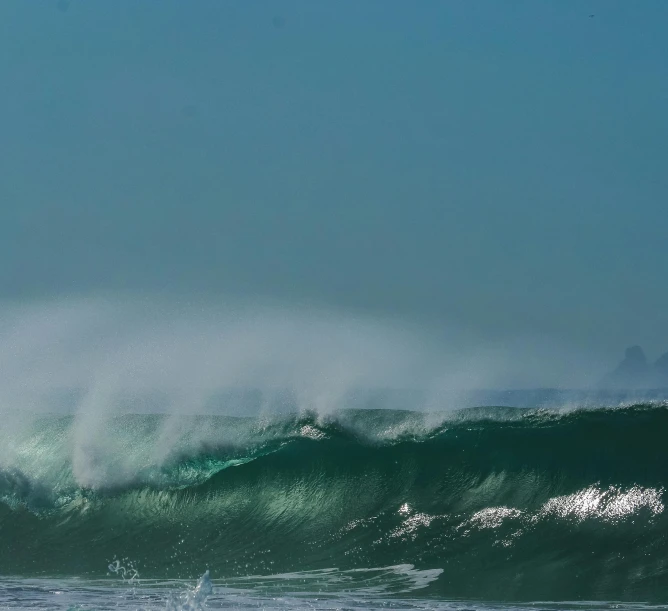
(392, 507)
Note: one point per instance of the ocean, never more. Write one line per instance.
(477, 508)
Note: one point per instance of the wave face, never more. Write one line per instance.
(508, 503)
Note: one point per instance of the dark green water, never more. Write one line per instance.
(511, 504)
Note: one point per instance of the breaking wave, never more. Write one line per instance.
(494, 503)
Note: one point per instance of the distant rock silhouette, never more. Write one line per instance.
(632, 372)
(661, 369)
(635, 372)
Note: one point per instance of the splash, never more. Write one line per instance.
(192, 600)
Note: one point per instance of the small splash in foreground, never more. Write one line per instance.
(192, 600)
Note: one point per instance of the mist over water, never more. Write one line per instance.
(99, 355)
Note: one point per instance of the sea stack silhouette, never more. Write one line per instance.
(636, 372)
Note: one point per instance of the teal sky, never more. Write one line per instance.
(499, 166)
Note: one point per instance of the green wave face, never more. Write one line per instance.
(507, 503)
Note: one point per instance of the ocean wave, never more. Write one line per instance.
(501, 502)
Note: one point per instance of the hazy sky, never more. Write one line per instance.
(501, 166)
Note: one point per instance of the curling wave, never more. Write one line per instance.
(502, 503)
